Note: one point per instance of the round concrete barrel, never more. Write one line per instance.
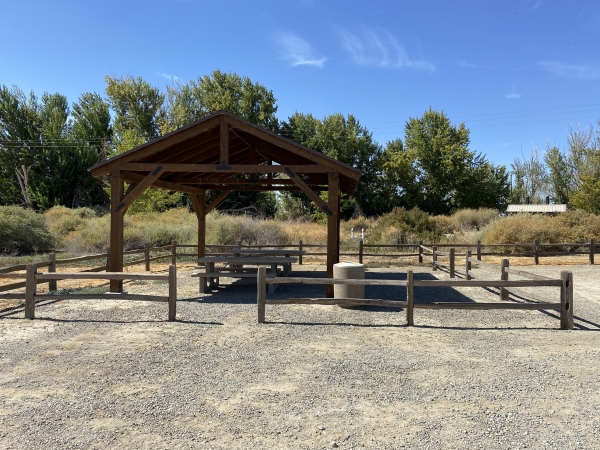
(348, 271)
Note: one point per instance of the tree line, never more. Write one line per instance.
(569, 177)
(47, 144)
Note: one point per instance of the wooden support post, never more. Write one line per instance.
(52, 268)
(261, 289)
(536, 255)
(333, 227)
(566, 300)
(410, 298)
(108, 260)
(30, 290)
(467, 265)
(434, 258)
(224, 144)
(199, 204)
(300, 255)
(452, 274)
(116, 230)
(174, 252)
(504, 276)
(172, 292)
(592, 249)
(147, 256)
(420, 252)
(478, 250)
(360, 251)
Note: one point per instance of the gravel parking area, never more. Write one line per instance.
(107, 374)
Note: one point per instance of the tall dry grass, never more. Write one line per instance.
(84, 230)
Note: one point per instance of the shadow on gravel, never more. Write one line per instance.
(244, 291)
(51, 319)
(340, 324)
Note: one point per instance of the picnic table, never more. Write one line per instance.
(234, 267)
(269, 252)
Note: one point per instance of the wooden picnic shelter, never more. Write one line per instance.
(225, 153)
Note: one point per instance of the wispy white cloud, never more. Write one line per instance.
(297, 50)
(513, 94)
(537, 4)
(379, 48)
(583, 71)
(468, 65)
(168, 76)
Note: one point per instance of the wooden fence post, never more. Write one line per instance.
(360, 251)
(420, 252)
(410, 298)
(566, 300)
(536, 256)
(174, 252)
(504, 276)
(52, 268)
(30, 290)
(478, 250)
(592, 250)
(147, 256)
(172, 292)
(107, 259)
(261, 289)
(452, 275)
(467, 265)
(300, 255)
(434, 258)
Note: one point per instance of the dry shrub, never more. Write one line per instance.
(473, 219)
(404, 225)
(224, 229)
(23, 231)
(444, 224)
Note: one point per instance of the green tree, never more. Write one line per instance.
(219, 91)
(92, 123)
(345, 139)
(137, 108)
(445, 167)
(38, 147)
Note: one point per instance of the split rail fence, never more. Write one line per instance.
(564, 305)
(33, 278)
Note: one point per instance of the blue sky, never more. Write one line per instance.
(518, 73)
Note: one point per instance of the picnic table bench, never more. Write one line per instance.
(233, 267)
(269, 252)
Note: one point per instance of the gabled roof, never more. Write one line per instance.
(536, 208)
(199, 144)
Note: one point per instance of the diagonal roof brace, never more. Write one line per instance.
(308, 191)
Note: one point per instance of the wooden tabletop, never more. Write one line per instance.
(266, 251)
(257, 260)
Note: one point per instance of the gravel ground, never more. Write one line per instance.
(106, 374)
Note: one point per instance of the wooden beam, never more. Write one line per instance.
(216, 201)
(224, 145)
(162, 143)
(115, 263)
(289, 145)
(234, 168)
(308, 191)
(136, 177)
(246, 187)
(238, 181)
(138, 190)
(333, 227)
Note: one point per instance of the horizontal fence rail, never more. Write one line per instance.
(564, 306)
(32, 278)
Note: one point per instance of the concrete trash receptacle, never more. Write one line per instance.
(348, 271)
